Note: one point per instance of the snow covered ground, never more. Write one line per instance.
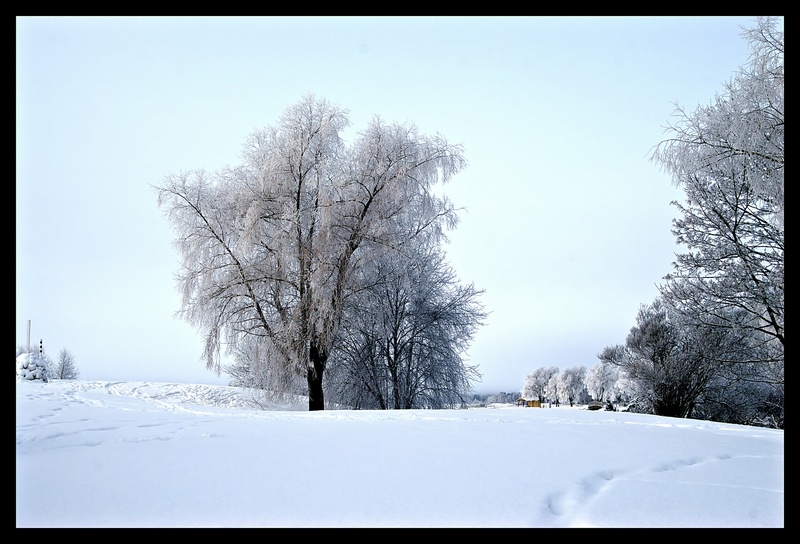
(145, 454)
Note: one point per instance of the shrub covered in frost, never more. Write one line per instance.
(31, 367)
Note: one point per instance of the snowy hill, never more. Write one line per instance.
(150, 454)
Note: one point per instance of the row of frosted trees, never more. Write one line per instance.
(711, 345)
(575, 385)
(709, 392)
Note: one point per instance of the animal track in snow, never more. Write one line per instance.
(569, 504)
(675, 465)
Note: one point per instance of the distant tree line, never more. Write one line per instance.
(570, 386)
(482, 399)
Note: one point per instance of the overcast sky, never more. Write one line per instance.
(566, 221)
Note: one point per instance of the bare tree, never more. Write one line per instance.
(269, 249)
(601, 379)
(406, 335)
(728, 286)
(65, 367)
(673, 361)
(729, 158)
(747, 394)
(742, 129)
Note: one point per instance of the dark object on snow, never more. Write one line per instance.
(595, 405)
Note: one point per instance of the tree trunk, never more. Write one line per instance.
(317, 357)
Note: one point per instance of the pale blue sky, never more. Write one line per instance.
(567, 222)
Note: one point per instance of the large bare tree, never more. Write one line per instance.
(269, 249)
(728, 157)
(407, 333)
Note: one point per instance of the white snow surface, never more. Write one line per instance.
(152, 454)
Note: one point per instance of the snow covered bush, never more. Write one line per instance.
(31, 367)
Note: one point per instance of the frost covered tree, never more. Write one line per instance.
(553, 390)
(65, 367)
(729, 159)
(537, 383)
(673, 362)
(742, 130)
(572, 382)
(744, 393)
(32, 366)
(269, 249)
(674, 366)
(405, 334)
(601, 380)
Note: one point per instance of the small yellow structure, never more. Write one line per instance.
(529, 403)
